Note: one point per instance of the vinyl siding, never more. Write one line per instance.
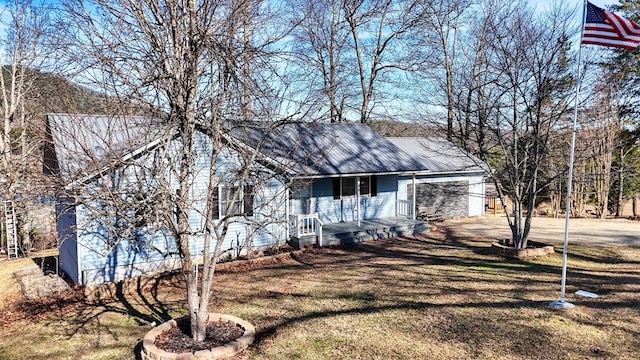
(106, 255)
(333, 210)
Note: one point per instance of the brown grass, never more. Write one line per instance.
(437, 297)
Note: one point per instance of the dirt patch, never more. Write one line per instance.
(33, 310)
(533, 249)
(34, 284)
(9, 287)
(609, 232)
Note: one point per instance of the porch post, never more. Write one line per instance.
(413, 197)
(311, 202)
(287, 197)
(358, 199)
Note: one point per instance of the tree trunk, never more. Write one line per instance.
(189, 267)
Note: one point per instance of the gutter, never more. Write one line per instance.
(399, 173)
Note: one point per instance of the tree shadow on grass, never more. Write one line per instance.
(412, 252)
(137, 351)
(412, 249)
(142, 300)
(145, 299)
(266, 334)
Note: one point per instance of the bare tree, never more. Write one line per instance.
(519, 101)
(376, 29)
(320, 40)
(441, 26)
(24, 55)
(198, 66)
(604, 134)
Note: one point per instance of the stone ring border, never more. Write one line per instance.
(151, 352)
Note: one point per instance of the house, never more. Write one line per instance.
(304, 183)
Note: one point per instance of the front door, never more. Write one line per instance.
(301, 199)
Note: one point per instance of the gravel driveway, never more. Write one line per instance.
(620, 232)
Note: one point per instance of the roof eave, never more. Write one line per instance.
(399, 173)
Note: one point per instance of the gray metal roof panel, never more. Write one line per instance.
(437, 154)
(85, 143)
(312, 149)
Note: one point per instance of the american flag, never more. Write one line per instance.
(608, 29)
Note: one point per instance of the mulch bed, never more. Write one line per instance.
(178, 339)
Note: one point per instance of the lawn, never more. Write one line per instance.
(440, 296)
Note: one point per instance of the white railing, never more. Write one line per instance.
(405, 208)
(306, 225)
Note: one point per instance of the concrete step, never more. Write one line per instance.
(356, 235)
(302, 241)
(360, 236)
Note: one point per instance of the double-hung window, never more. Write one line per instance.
(233, 200)
(345, 187)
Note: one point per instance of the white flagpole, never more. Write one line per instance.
(562, 303)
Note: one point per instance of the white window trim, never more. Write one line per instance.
(240, 202)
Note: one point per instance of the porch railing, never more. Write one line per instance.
(306, 225)
(405, 208)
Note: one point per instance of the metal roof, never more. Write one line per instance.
(437, 154)
(81, 144)
(84, 144)
(324, 149)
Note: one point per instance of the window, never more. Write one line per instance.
(229, 197)
(248, 198)
(215, 211)
(365, 185)
(346, 186)
(241, 200)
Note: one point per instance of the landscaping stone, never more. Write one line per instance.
(151, 351)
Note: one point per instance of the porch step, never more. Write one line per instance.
(350, 232)
(357, 236)
(303, 241)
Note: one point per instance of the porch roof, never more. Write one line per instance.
(324, 149)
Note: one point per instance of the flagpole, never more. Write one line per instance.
(562, 303)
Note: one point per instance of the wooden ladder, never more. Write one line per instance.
(11, 230)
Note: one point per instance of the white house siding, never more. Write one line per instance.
(103, 255)
(342, 210)
(476, 196)
(466, 197)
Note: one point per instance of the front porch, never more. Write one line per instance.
(350, 232)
